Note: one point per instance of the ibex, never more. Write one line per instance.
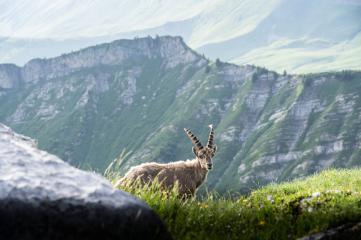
(189, 174)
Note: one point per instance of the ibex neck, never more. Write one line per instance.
(200, 172)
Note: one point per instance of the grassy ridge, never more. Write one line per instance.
(277, 211)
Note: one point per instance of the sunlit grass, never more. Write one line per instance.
(276, 211)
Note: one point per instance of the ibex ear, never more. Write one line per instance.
(194, 151)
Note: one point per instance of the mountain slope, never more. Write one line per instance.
(138, 95)
(296, 36)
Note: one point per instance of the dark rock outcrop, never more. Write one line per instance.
(42, 197)
(349, 231)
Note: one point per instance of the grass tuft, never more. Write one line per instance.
(277, 211)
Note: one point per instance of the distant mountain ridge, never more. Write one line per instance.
(297, 36)
(138, 95)
(104, 54)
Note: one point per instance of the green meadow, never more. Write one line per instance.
(277, 211)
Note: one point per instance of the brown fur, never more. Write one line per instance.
(189, 174)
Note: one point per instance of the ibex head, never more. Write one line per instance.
(203, 154)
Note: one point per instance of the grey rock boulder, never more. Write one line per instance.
(349, 231)
(42, 197)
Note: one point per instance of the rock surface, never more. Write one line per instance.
(10, 76)
(172, 49)
(350, 231)
(42, 197)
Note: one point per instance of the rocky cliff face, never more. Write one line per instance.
(138, 95)
(10, 76)
(173, 50)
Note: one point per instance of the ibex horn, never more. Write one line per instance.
(194, 139)
(211, 137)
